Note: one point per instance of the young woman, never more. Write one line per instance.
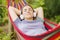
(32, 24)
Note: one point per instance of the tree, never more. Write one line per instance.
(3, 12)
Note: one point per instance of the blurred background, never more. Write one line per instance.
(51, 11)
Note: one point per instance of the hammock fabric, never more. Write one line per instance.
(50, 26)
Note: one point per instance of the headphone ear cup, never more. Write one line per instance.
(21, 16)
(34, 14)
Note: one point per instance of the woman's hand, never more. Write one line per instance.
(18, 12)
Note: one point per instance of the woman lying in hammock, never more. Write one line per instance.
(33, 23)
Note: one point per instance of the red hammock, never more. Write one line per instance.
(50, 26)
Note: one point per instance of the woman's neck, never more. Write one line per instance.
(29, 19)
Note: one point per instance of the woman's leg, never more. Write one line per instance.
(12, 13)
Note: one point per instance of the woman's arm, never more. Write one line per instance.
(13, 12)
(40, 12)
(16, 11)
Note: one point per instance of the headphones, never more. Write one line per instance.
(22, 17)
